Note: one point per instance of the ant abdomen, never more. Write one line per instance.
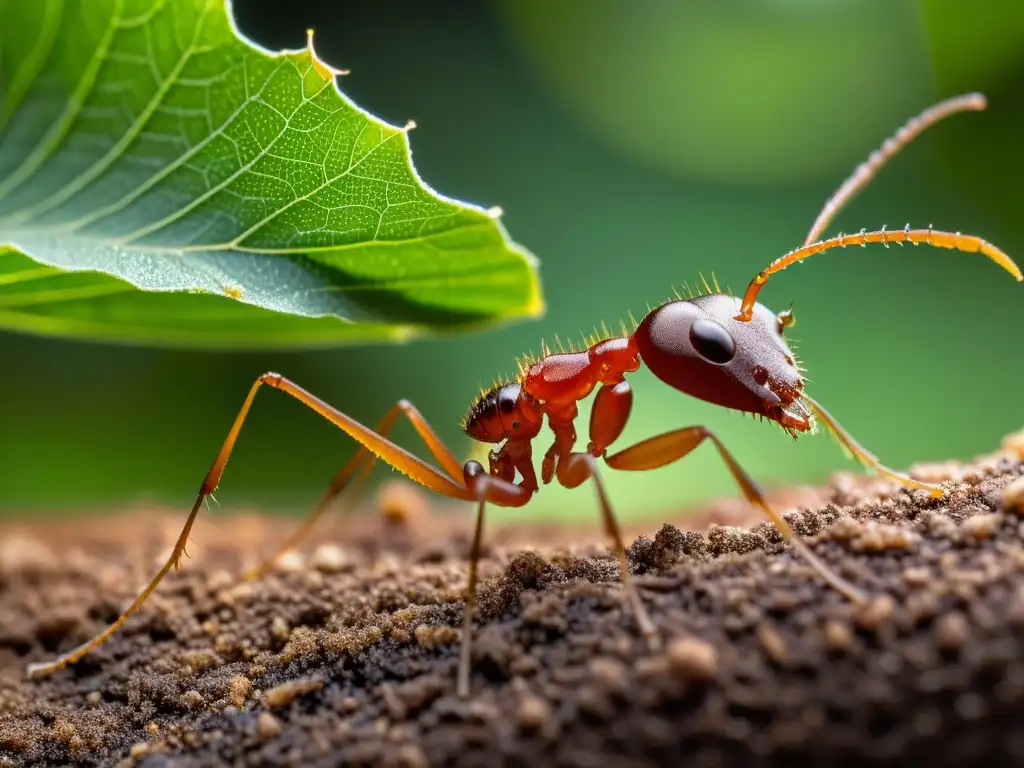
(503, 412)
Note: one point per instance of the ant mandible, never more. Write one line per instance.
(715, 347)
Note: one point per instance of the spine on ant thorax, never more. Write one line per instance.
(568, 377)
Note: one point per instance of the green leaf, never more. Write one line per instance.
(163, 180)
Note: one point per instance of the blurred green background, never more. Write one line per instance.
(632, 146)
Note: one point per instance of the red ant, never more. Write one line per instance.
(714, 347)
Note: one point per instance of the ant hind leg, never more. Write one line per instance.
(399, 458)
(44, 668)
(362, 462)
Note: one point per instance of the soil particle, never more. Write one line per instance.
(284, 694)
(345, 654)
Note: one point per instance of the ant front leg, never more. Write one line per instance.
(399, 458)
(363, 462)
(672, 446)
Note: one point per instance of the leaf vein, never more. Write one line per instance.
(25, 75)
(156, 178)
(266, 220)
(100, 166)
(52, 138)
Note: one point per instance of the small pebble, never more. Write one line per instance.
(772, 642)
(981, 527)
(284, 694)
(23, 554)
(330, 558)
(280, 630)
(220, 579)
(239, 688)
(916, 577)
(268, 726)
(690, 658)
(411, 756)
(611, 673)
(401, 502)
(349, 704)
(533, 712)
(290, 562)
(1014, 444)
(1013, 496)
(952, 631)
(838, 635)
(875, 613)
(139, 749)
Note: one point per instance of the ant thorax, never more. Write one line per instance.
(513, 413)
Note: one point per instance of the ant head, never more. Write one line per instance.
(698, 347)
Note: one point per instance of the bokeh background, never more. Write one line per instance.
(632, 145)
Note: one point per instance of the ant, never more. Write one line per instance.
(723, 350)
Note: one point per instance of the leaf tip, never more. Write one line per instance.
(409, 126)
(325, 70)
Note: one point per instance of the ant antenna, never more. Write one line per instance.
(864, 173)
(933, 237)
(867, 170)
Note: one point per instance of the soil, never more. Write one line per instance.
(346, 654)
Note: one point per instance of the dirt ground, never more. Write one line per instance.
(346, 654)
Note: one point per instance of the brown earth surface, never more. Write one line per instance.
(346, 654)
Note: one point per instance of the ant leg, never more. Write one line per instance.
(671, 446)
(466, 651)
(363, 461)
(399, 458)
(484, 488)
(45, 668)
(573, 470)
(867, 170)
(865, 456)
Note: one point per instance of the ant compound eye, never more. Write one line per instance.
(712, 341)
(515, 425)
